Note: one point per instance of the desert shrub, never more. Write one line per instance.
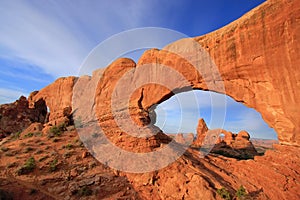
(53, 165)
(17, 135)
(69, 146)
(28, 167)
(62, 127)
(57, 130)
(224, 194)
(241, 192)
(28, 135)
(38, 134)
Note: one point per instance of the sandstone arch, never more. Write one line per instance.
(257, 56)
(258, 60)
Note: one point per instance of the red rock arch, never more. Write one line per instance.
(257, 57)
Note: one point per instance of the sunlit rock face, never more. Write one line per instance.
(256, 56)
(58, 99)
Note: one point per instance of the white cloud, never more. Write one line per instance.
(58, 35)
(39, 39)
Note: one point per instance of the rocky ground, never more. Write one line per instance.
(56, 165)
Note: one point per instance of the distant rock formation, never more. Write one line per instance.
(15, 117)
(232, 145)
(201, 132)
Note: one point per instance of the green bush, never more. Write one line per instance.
(17, 135)
(28, 167)
(38, 134)
(55, 131)
(53, 165)
(69, 146)
(28, 135)
(241, 192)
(224, 194)
(58, 130)
(62, 127)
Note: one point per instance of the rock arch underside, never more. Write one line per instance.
(258, 59)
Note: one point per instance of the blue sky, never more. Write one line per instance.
(180, 114)
(43, 40)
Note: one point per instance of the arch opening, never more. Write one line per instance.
(180, 114)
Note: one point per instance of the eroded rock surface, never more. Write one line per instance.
(58, 99)
(226, 143)
(257, 57)
(17, 116)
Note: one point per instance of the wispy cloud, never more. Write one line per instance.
(58, 35)
(28, 33)
(8, 95)
(181, 114)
